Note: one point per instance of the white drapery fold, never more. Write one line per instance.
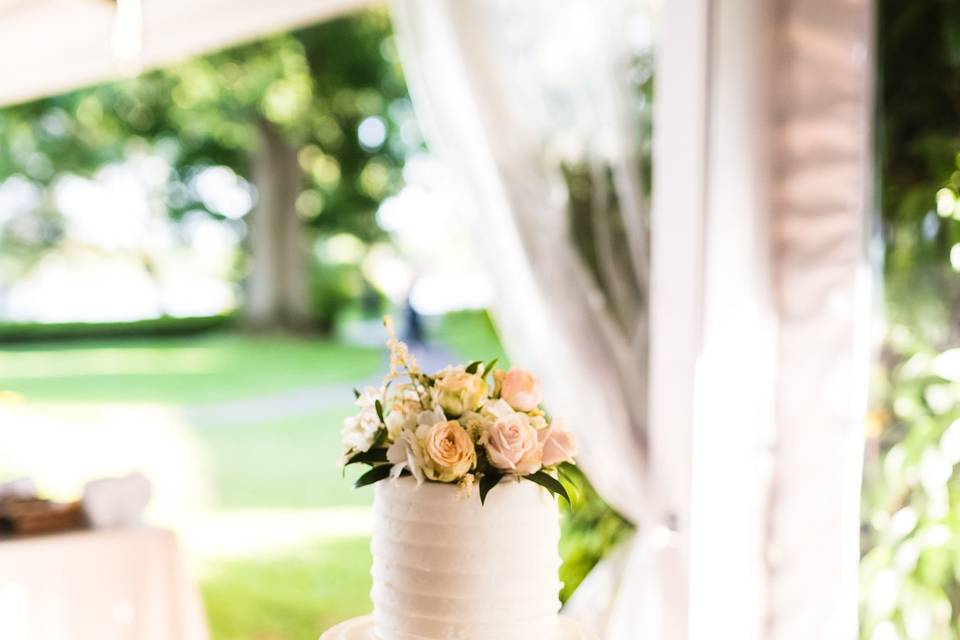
(476, 85)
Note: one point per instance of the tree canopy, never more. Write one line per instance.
(333, 91)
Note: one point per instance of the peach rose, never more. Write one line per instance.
(449, 452)
(559, 445)
(521, 389)
(459, 392)
(512, 445)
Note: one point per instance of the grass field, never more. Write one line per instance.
(182, 370)
(293, 595)
(284, 464)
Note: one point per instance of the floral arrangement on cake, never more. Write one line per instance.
(469, 425)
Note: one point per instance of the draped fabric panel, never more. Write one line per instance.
(820, 209)
(485, 108)
(777, 286)
(521, 101)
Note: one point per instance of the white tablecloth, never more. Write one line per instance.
(128, 584)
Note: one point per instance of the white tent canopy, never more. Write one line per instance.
(53, 46)
(751, 453)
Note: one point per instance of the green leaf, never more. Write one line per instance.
(487, 482)
(569, 481)
(487, 368)
(473, 366)
(379, 406)
(549, 483)
(375, 474)
(356, 393)
(368, 457)
(564, 468)
(380, 437)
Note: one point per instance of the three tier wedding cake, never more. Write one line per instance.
(467, 468)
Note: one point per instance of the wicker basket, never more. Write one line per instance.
(24, 516)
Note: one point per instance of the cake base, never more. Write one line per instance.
(362, 629)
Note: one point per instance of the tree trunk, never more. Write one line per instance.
(277, 286)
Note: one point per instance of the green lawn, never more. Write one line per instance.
(471, 335)
(285, 464)
(179, 370)
(291, 596)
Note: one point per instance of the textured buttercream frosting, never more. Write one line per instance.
(446, 567)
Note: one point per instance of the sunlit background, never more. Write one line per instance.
(194, 265)
(193, 268)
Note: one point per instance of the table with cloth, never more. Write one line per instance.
(113, 584)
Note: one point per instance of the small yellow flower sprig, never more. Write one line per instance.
(401, 358)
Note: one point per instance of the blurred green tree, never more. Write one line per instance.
(919, 139)
(317, 121)
(911, 509)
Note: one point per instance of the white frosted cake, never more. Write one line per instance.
(446, 567)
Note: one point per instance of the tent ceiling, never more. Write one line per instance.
(52, 46)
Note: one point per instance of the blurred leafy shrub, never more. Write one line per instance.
(165, 326)
(336, 288)
(590, 530)
(911, 530)
(910, 573)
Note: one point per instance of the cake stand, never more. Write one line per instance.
(362, 629)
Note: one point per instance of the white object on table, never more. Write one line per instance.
(120, 584)
(116, 502)
(362, 629)
(19, 488)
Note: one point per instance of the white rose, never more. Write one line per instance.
(430, 418)
(356, 435)
(360, 431)
(497, 408)
(398, 421)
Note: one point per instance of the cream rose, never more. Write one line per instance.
(448, 451)
(521, 389)
(511, 445)
(559, 445)
(459, 392)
